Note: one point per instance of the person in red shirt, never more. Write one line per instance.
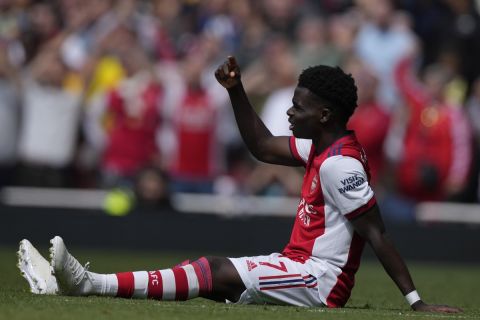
(132, 124)
(132, 118)
(194, 162)
(437, 146)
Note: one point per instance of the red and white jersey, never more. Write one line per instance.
(195, 131)
(335, 190)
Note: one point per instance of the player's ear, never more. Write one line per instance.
(325, 115)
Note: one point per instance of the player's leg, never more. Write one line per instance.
(214, 278)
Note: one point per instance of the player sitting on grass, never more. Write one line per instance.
(336, 215)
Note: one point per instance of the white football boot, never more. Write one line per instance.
(73, 278)
(36, 269)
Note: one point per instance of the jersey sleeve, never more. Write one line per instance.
(345, 186)
(300, 148)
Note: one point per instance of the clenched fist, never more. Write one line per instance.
(228, 74)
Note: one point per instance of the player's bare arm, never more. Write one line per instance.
(370, 227)
(259, 140)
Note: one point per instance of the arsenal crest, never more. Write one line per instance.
(314, 184)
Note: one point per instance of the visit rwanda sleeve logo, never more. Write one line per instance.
(351, 183)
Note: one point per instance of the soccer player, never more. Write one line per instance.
(336, 215)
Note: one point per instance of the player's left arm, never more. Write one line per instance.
(371, 228)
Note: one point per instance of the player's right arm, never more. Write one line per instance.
(259, 140)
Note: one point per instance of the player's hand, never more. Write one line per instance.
(423, 307)
(228, 74)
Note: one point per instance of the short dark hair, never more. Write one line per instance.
(332, 85)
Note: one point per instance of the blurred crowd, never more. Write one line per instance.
(109, 94)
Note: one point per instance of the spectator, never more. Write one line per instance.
(281, 16)
(380, 43)
(193, 111)
(312, 46)
(131, 117)
(50, 121)
(437, 151)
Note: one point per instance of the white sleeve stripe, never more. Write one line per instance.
(293, 149)
(303, 147)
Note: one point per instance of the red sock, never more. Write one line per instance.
(179, 283)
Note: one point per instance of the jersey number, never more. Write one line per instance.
(280, 267)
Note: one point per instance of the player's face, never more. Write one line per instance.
(305, 114)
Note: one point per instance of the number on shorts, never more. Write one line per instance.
(281, 267)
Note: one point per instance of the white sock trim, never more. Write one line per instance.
(193, 285)
(169, 288)
(140, 284)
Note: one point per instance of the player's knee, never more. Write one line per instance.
(220, 269)
(212, 267)
(227, 283)
(215, 264)
(223, 270)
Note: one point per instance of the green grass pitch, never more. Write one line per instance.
(374, 296)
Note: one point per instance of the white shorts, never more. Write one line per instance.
(276, 279)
